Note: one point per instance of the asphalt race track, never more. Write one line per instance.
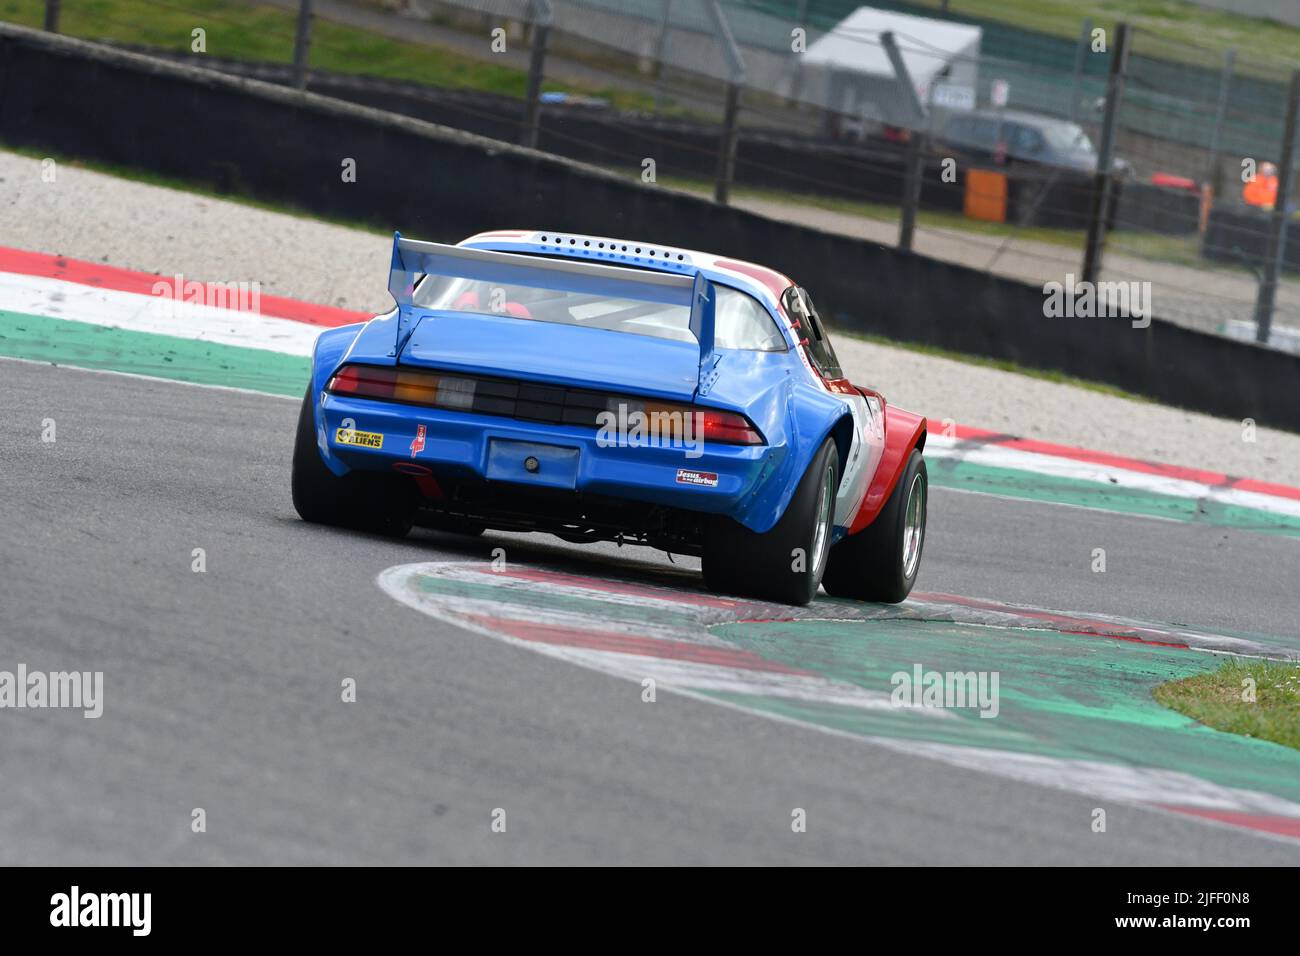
(222, 688)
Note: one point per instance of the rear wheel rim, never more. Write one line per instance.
(914, 526)
(822, 528)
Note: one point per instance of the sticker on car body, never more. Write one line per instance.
(417, 443)
(704, 479)
(350, 436)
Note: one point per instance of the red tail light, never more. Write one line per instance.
(730, 429)
(403, 385)
(364, 381)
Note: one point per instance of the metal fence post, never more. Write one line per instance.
(796, 81)
(661, 53)
(302, 45)
(914, 163)
(542, 17)
(1278, 220)
(1213, 174)
(1102, 182)
(52, 15)
(727, 148)
(731, 110)
(912, 175)
(1080, 55)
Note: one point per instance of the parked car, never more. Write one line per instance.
(1016, 137)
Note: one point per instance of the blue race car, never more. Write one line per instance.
(600, 389)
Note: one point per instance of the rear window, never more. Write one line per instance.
(741, 321)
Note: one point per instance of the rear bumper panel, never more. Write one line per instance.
(497, 449)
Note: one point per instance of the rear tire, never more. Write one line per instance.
(880, 562)
(784, 564)
(363, 501)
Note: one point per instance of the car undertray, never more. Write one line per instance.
(573, 516)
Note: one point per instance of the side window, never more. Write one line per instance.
(800, 306)
(742, 323)
(986, 133)
(1026, 141)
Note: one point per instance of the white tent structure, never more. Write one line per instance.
(858, 77)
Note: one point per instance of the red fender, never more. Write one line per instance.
(903, 431)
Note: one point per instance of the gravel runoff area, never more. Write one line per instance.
(102, 218)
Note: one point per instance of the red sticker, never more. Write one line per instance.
(706, 479)
(417, 444)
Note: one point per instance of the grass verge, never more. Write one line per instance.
(252, 31)
(1194, 27)
(1220, 699)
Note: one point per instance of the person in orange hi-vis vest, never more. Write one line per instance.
(1262, 190)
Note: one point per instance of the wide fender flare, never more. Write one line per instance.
(904, 431)
(332, 346)
(812, 414)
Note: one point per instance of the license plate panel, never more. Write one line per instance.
(556, 465)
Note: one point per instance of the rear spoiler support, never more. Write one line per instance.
(704, 300)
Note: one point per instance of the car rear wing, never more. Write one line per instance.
(414, 259)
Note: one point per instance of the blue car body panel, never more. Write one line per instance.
(787, 405)
(597, 358)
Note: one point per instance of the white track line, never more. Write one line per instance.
(59, 299)
(994, 456)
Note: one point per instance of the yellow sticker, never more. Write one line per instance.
(350, 436)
